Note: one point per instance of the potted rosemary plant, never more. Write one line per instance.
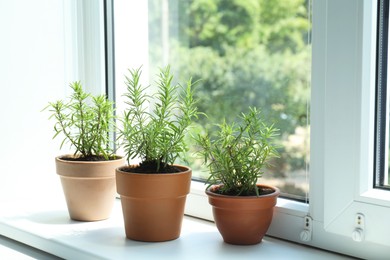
(236, 156)
(153, 192)
(88, 175)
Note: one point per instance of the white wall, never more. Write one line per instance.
(32, 72)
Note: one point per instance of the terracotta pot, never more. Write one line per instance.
(243, 220)
(89, 187)
(153, 204)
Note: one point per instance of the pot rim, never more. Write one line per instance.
(153, 185)
(59, 159)
(87, 169)
(273, 194)
(186, 169)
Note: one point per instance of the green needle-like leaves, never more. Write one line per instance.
(237, 153)
(85, 121)
(154, 126)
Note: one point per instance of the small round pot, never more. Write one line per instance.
(242, 220)
(153, 204)
(89, 187)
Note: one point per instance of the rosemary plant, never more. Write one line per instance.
(154, 126)
(237, 154)
(86, 122)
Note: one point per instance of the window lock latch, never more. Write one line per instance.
(358, 232)
(306, 233)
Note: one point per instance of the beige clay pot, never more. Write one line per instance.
(153, 204)
(243, 220)
(89, 187)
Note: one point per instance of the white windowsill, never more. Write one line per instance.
(45, 225)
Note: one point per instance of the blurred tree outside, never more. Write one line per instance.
(246, 53)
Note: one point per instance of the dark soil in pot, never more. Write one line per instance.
(151, 167)
(262, 190)
(92, 158)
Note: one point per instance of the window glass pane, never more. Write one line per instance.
(382, 101)
(246, 53)
(384, 10)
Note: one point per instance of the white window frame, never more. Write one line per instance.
(85, 50)
(348, 154)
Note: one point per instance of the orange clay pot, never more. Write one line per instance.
(242, 220)
(153, 204)
(89, 187)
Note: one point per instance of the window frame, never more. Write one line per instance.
(344, 73)
(85, 58)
